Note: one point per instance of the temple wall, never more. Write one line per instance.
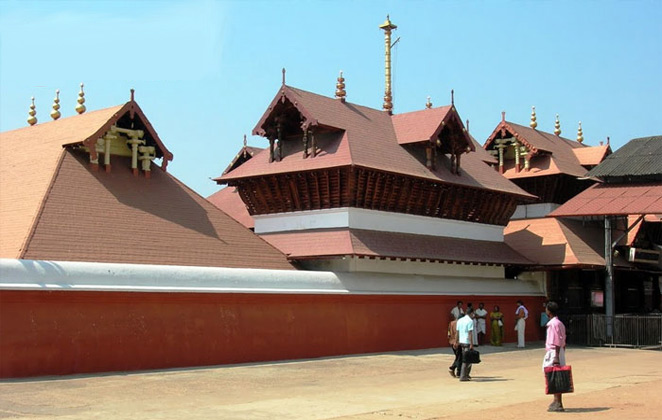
(59, 318)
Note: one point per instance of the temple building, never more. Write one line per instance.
(568, 252)
(627, 205)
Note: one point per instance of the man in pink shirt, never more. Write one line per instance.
(555, 347)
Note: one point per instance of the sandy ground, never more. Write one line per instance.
(508, 384)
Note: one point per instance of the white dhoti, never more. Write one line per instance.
(520, 328)
(548, 360)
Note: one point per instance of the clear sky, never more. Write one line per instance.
(205, 71)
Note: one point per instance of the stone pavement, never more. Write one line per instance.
(508, 384)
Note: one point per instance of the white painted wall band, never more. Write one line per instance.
(349, 217)
(87, 276)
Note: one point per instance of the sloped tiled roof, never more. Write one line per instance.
(638, 157)
(228, 200)
(367, 138)
(613, 199)
(552, 154)
(121, 218)
(54, 206)
(592, 156)
(418, 126)
(29, 157)
(558, 243)
(377, 244)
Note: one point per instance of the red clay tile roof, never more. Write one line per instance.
(375, 244)
(592, 156)
(53, 206)
(121, 218)
(29, 157)
(228, 200)
(552, 154)
(413, 127)
(613, 199)
(558, 243)
(367, 138)
(244, 154)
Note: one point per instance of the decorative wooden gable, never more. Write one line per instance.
(506, 144)
(286, 119)
(128, 133)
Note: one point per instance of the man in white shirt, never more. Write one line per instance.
(465, 327)
(521, 314)
(481, 316)
(457, 312)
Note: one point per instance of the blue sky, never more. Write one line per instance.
(205, 71)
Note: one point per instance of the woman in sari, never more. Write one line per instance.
(497, 326)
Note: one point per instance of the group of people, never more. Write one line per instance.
(496, 318)
(467, 329)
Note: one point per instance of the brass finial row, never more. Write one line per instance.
(557, 125)
(55, 113)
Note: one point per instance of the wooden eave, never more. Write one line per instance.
(284, 93)
(132, 109)
(453, 116)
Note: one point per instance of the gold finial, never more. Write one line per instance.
(533, 124)
(80, 108)
(557, 126)
(580, 134)
(428, 105)
(387, 27)
(340, 88)
(55, 114)
(32, 119)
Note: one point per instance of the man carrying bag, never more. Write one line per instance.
(465, 328)
(558, 376)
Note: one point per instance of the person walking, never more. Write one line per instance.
(555, 349)
(521, 314)
(465, 328)
(455, 346)
(496, 330)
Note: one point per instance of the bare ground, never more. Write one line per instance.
(508, 384)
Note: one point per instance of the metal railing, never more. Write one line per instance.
(628, 330)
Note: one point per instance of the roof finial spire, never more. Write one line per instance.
(580, 134)
(428, 104)
(607, 140)
(283, 76)
(387, 27)
(533, 124)
(244, 149)
(452, 97)
(55, 114)
(503, 115)
(80, 108)
(133, 91)
(467, 125)
(557, 126)
(340, 88)
(32, 119)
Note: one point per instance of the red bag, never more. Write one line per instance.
(558, 380)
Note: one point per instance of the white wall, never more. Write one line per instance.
(349, 217)
(85, 276)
